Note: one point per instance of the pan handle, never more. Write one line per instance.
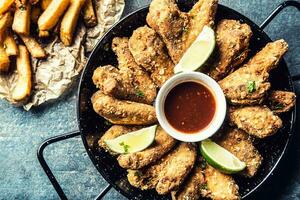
(46, 168)
(274, 13)
(277, 10)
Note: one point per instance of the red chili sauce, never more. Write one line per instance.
(190, 107)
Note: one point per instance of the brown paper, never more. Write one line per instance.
(55, 75)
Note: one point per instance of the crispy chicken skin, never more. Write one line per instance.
(233, 40)
(127, 63)
(194, 187)
(177, 29)
(163, 143)
(122, 84)
(281, 101)
(258, 121)
(254, 74)
(113, 132)
(146, 178)
(123, 112)
(220, 186)
(178, 166)
(168, 173)
(239, 143)
(120, 45)
(149, 52)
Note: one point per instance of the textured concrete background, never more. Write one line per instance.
(21, 176)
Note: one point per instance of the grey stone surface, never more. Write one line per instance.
(21, 132)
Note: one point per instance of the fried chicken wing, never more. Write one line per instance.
(202, 14)
(233, 40)
(258, 121)
(178, 166)
(167, 174)
(162, 144)
(149, 52)
(127, 63)
(177, 29)
(281, 101)
(123, 112)
(248, 85)
(122, 84)
(113, 132)
(146, 178)
(239, 144)
(220, 186)
(194, 187)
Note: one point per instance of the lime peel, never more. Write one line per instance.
(198, 53)
(134, 141)
(220, 158)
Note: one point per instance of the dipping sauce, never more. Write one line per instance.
(190, 107)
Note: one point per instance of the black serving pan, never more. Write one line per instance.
(92, 125)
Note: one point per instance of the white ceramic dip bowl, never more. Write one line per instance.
(220, 103)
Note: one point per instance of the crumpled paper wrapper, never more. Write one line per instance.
(53, 76)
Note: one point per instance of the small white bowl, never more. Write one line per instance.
(220, 111)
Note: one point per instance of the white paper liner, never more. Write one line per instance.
(53, 76)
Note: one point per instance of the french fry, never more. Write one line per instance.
(45, 4)
(56, 29)
(35, 49)
(51, 15)
(44, 34)
(35, 14)
(4, 60)
(5, 22)
(21, 23)
(89, 15)
(10, 45)
(22, 90)
(69, 21)
(5, 5)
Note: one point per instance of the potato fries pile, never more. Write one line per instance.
(24, 22)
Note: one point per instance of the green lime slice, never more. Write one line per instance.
(198, 52)
(134, 141)
(220, 158)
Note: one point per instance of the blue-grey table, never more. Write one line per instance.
(21, 132)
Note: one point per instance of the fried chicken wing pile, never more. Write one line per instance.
(149, 52)
(232, 47)
(168, 173)
(239, 143)
(249, 84)
(179, 29)
(145, 62)
(124, 92)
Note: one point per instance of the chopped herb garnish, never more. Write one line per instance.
(107, 123)
(203, 186)
(140, 93)
(251, 87)
(125, 146)
(278, 106)
(22, 7)
(138, 173)
(185, 29)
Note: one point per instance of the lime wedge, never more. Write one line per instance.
(134, 141)
(198, 52)
(220, 158)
